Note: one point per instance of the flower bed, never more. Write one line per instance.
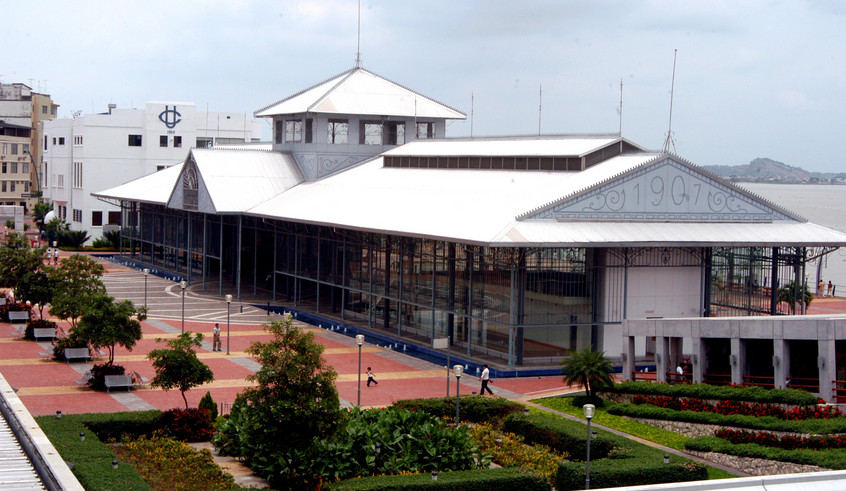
(728, 408)
(787, 442)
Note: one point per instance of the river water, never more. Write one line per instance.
(823, 204)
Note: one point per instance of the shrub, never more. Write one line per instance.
(816, 426)
(704, 391)
(627, 472)
(188, 425)
(558, 434)
(116, 426)
(474, 409)
(99, 372)
(29, 333)
(508, 450)
(73, 239)
(737, 407)
(787, 442)
(474, 480)
(168, 464)
(391, 441)
(829, 459)
(208, 403)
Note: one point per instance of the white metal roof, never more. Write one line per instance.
(237, 180)
(153, 188)
(471, 206)
(534, 146)
(359, 91)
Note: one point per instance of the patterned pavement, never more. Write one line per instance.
(46, 386)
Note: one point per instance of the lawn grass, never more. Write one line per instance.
(631, 427)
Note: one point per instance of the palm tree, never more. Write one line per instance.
(792, 293)
(588, 368)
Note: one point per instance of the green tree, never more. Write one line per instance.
(76, 281)
(178, 367)
(39, 211)
(293, 404)
(37, 287)
(792, 294)
(18, 259)
(588, 368)
(106, 324)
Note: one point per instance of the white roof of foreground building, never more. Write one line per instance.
(459, 190)
(358, 91)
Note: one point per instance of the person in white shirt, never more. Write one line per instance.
(485, 378)
(216, 338)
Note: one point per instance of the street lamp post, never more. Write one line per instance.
(359, 340)
(183, 284)
(458, 369)
(588, 409)
(228, 301)
(146, 272)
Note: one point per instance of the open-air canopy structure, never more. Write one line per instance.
(517, 248)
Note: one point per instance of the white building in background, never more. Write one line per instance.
(98, 151)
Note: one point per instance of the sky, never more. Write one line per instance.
(753, 78)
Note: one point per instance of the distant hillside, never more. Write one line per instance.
(763, 169)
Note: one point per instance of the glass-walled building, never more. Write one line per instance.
(518, 249)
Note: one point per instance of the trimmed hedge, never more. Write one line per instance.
(813, 426)
(474, 409)
(92, 459)
(474, 480)
(609, 473)
(704, 391)
(114, 426)
(558, 434)
(829, 459)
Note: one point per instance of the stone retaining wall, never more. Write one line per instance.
(749, 465)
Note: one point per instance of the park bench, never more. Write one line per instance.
(118, 381)
(21, 318)
(77, 353)
(44, 332)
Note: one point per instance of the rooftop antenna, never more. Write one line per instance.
(669, 142)
(358, 40)
(472, 102)
(540, 106)
(620, 110)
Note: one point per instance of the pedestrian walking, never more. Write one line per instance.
(56, 256)
(485, 378)
(370, 377)
(830, 289)
(216, 338)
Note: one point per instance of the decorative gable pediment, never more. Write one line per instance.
(190, 193)
(666, 191)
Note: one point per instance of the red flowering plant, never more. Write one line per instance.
(786, 442)
(728, 408)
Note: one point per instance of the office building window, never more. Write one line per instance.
(77, 215)
(45, 142)
(3, 186)
(309, 123)
(14, 169)
(338, 131)
(204, 142)
(77, 140)
(277, 127)
(96, 218)
(163, 140)
(77, 175)
(26, 186)
(134, 140)
(25, 167)
(11, 186)
(114, 218)
(5, 167)
(43, 109)
(61, 140)
(177, 142)
(14, 148)
(60, 180)
(25, 149)
(396, 133)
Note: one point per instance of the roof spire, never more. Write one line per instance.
(670, 141)
(358, 40)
